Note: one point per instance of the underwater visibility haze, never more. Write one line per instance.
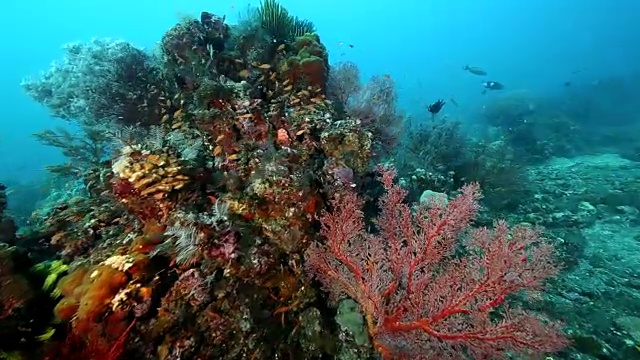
(320, 180)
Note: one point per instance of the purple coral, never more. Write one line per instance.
(226, 248)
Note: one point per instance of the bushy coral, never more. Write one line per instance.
(533, 129)
(101, 81)
(441, 156)
(373, 103)
(343, 83)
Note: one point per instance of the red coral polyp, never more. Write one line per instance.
(124, 190)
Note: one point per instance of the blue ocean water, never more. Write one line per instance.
(532, 45)
(567, 117)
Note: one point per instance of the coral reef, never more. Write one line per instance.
(198, 184)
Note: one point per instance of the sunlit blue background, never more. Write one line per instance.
(528, 44)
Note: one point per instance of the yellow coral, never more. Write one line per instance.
(47, 334)
(153, 174)
(53, 269)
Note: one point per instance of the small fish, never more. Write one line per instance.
(281, 47)
(475, 70)
(493, 85)
(264, 67)
(244, 73)
(288, 88)
(351, 46)
(453, 101)
(436, 107)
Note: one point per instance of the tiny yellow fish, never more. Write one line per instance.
(217, 151)
(281, 47)
(288, 88)
(177, 125)
(220, 137)
(264, 67)
(233, 157)
(165, 118)
(178, 114)
(246, 116)
(300, 132)
(244, 73)
(286, 82)
(273, 76)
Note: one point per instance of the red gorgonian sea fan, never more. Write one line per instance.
(419, 299)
